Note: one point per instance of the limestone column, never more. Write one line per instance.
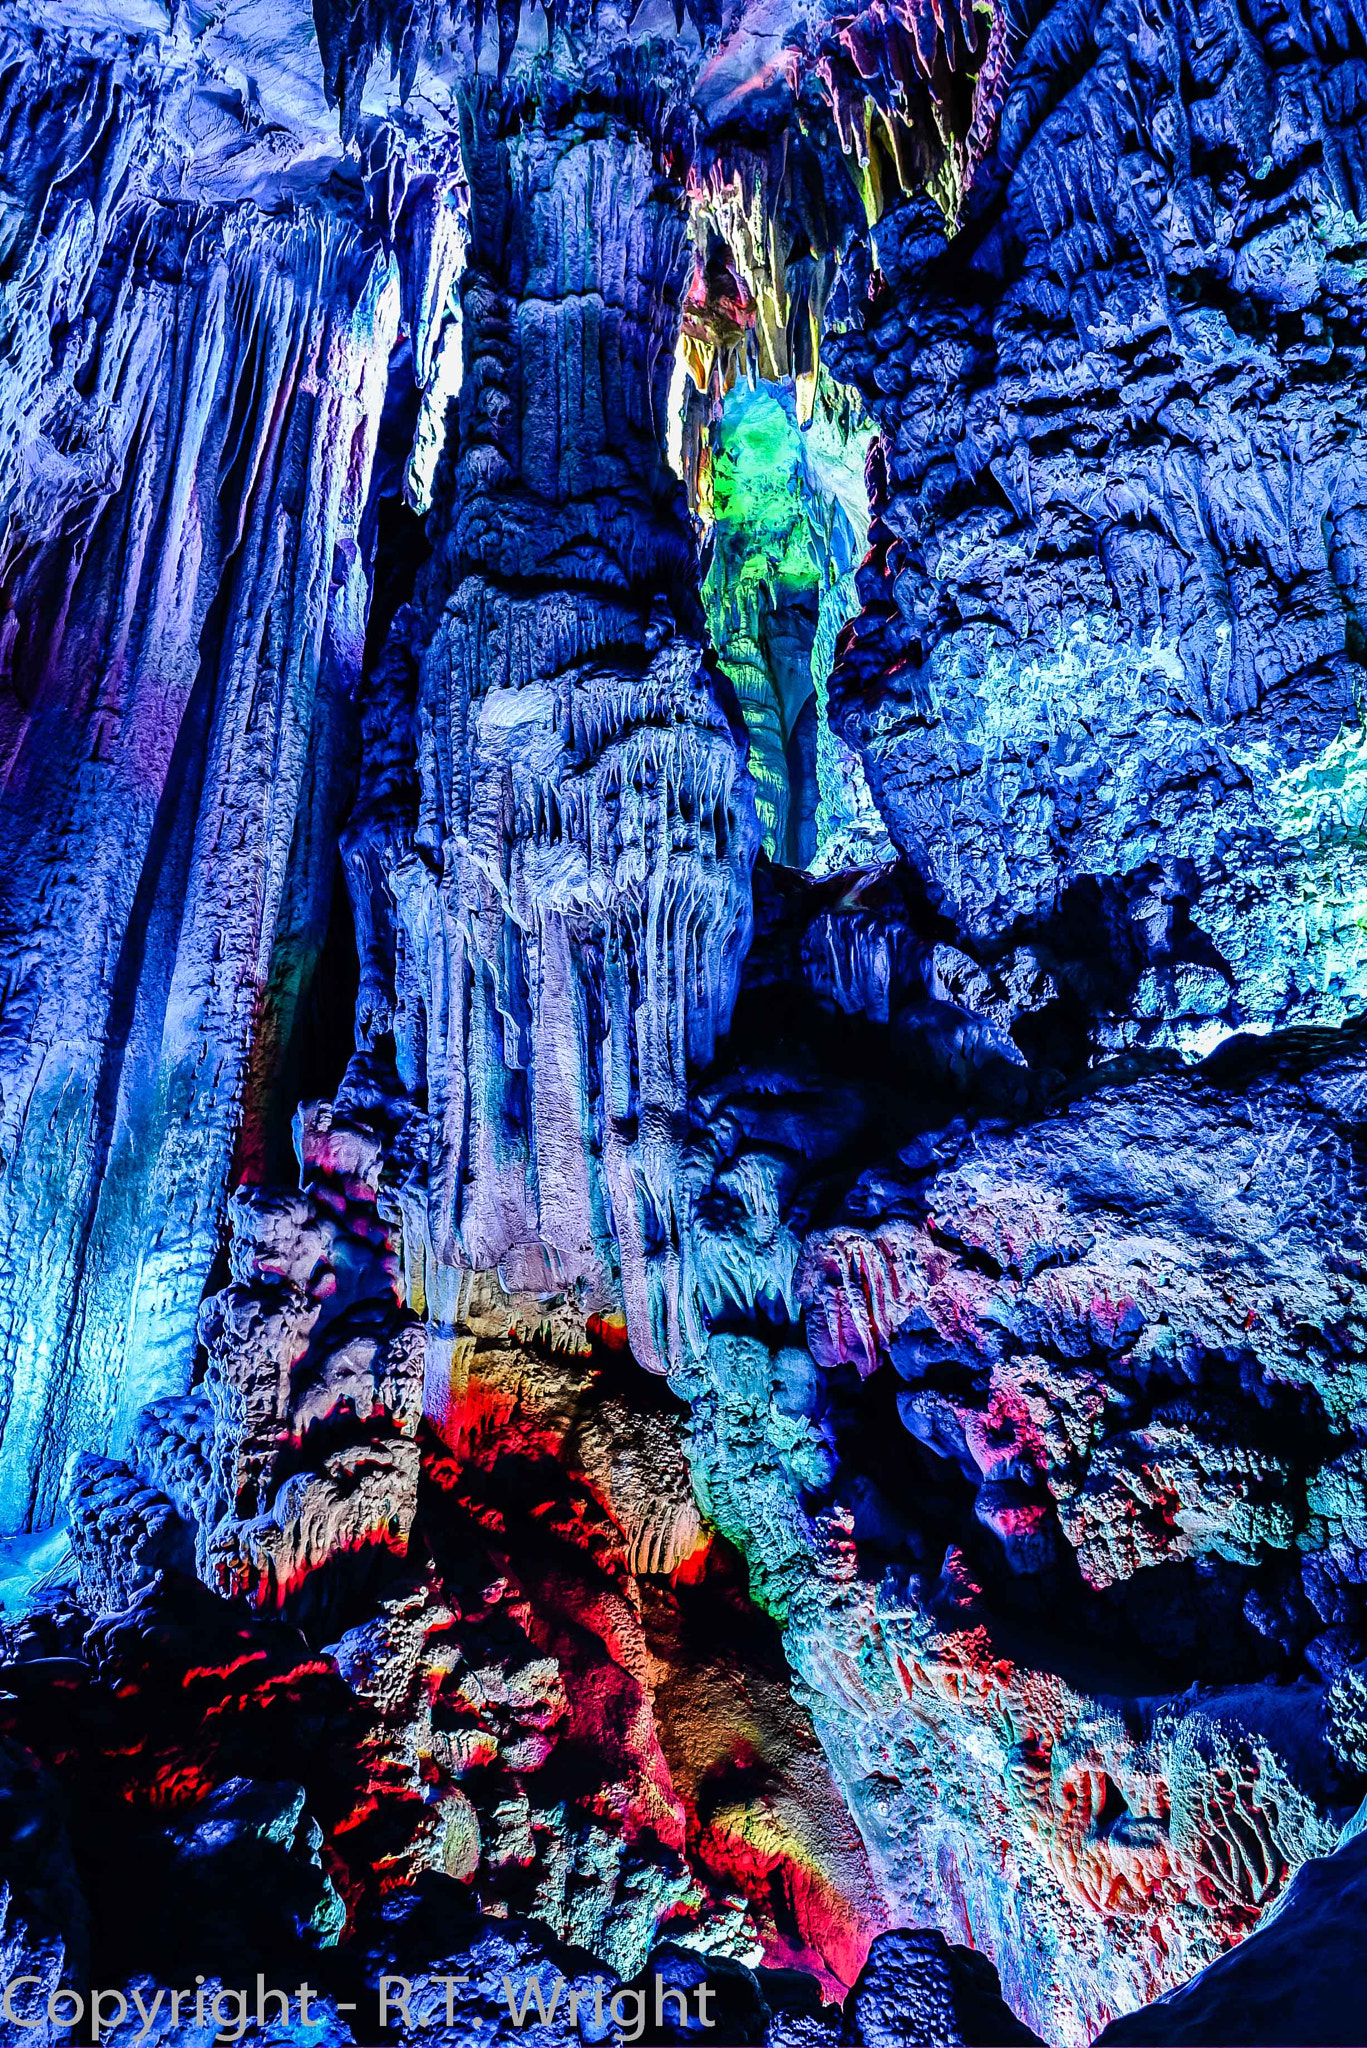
(576, 905)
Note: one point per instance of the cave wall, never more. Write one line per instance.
(798, 1405)
(191, 406)
(1110, 629)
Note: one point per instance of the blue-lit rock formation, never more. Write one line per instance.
(191, 399)
(683, 1099)
(1108, 670)
(573, 903)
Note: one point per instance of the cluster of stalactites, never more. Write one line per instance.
(573, 893)
(769, 231)
(899, 99)
(487, 33)
(915, 87)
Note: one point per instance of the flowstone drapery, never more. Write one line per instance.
(191, 403)
(573, 906)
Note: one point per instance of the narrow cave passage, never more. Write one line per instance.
(782, 505)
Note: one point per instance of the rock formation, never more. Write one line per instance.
(191, 400)
(1108, 653)
(682, 1089)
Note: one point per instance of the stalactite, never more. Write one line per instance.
(192, 406)
(573, 908)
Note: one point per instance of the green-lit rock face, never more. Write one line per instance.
(762, 596)
(790, 525)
